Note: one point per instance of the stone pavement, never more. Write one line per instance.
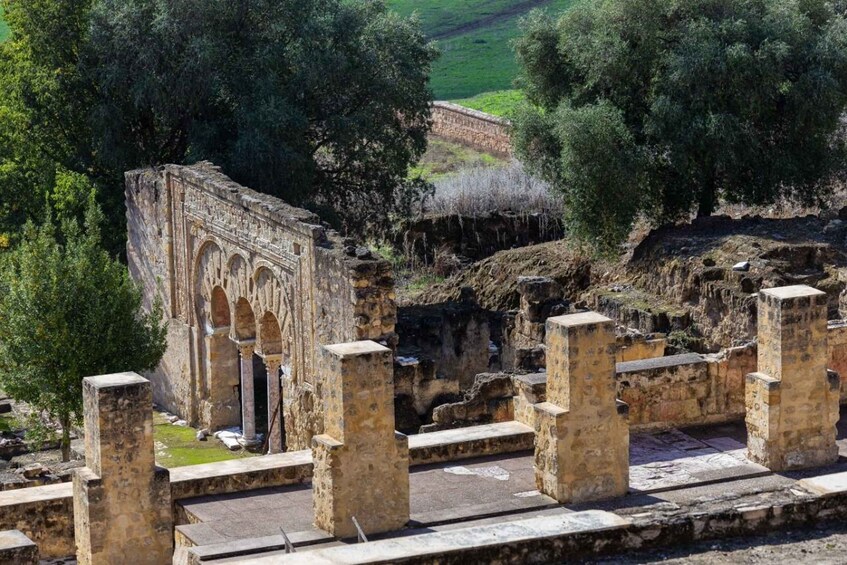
(474, 489)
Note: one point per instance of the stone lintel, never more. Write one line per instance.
(355, 349)
(792, 292)
(581, 319)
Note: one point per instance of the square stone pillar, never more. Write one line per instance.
(582, 434)
(361, 465)
(122, 501)
(792, 402)
(275, 423)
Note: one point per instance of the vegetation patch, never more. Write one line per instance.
(501, 103)
(443, 158)
(4, 27)
(177, 446)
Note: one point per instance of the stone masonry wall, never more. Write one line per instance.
(227, 261)
(472, 128)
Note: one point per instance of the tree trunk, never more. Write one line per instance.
(708, 199)
(65, 421)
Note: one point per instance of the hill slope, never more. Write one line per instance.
(475, 40)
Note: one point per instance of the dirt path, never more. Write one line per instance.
(487, 21)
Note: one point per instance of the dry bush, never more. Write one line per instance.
(480, 190)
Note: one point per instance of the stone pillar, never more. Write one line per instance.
(221, 408)
(248, 400)
(361, 465)
(122, 501)
(272, 364)
(792, 402)
(582, 434)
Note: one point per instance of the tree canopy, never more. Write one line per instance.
(322, 102)
(68, 311)
(664, 107)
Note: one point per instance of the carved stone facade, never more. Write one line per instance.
(249, 286)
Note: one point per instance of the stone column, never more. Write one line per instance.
(221, 407)
(361, 465)
(272, 364)
(582, 435)
(248, 400)
(792, 402)
(122, 501)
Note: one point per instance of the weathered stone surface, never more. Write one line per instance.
(582, 436)
(454, 335)
(17, 549)
(122, 501)
(361, 466)
(792, 402)
(230, 263)
(472, 128)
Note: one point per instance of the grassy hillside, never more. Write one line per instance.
(475, 41)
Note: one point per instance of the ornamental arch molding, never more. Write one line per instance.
(210, 248)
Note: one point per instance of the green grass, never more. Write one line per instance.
(8, 423)
(475, 60)
(443, 158)
(499, 103)
(4, 28)
(176, 446)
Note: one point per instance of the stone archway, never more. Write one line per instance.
(218, 384)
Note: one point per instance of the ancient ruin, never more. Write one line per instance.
(519, 420)
(251, 289)
(581, 432)
(792, 400)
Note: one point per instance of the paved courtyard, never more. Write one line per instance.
(473, 489)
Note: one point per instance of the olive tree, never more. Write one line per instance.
(666, 107)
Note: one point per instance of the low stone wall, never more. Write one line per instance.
(472, 128)
(45, 513)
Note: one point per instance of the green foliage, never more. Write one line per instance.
(322, 102)
(503, 103)
(444, 157)
(689, 102)
(4, 27)
(68, 311)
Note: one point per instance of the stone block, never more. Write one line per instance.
(122, 501)
(792, 401)
(361, 465)
(582, 434)
(17, 549)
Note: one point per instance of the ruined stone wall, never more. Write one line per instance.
(278, 276)
(472, 128)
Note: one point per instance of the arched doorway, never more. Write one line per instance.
(222, 407)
